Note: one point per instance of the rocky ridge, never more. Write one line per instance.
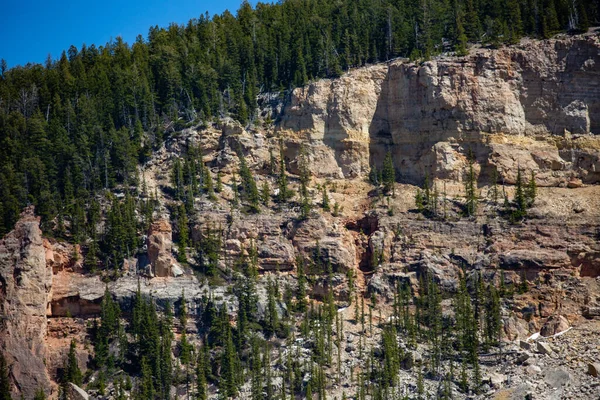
(533, 106)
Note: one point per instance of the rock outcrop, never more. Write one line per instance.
(160, 245)
(535, 105)
(26, 282)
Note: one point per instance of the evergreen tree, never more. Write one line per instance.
(219, 186)
(145, 389)
(256, 380)
(200, 378)
(39, 395)
(228, 381)
(183, 243)
(185, 353)
(72, 371)
(325, 201)
(493, 323)
(249, 188)
(265, 193)
(470, 190)
(301, 292)
(389, 173)
(520, 200)
(374, 175)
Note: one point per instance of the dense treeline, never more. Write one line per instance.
(80, 124)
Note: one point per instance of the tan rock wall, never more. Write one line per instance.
(527, 106)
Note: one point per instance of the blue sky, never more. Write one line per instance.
(30, 30)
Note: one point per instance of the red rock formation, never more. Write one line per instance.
(160, 243)
(25, 281)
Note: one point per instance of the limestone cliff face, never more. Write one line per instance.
(536, 105)
(25, 285)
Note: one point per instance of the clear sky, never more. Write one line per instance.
(32, 29)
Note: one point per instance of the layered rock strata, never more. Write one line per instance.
(535, 106)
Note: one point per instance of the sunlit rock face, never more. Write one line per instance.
(536, 105)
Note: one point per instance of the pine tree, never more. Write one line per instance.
(257, 376)
(228, 378)
(493, 322)
(177, 179)
(531, 191)
(163, 366)
(208, 184)
(305, 204)
(200, 378)
(301, 292)
(325, 201)
(185, 353)
(389, 173)
(265, 193)
(145, 389)
(39, 395)
(249, 187)
(272, 316)
(470, 190)
(460, 46)
(520, 200)
(183, 243)
(72, 371)
(494, 192)
(374, 175)
(219, 186)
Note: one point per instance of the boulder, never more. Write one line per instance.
(591, 312)
(533, 370)
(553, 325)
(76, 393)
(594, 369)
(524, 345)
(496, 379)
(543, 348)
(557, 377)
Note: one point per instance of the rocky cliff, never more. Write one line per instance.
(26, 284)
(535, 105)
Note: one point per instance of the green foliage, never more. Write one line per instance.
(229, 378)
(493, 322)
(108, 330)
(39, 395)
(249, 189)
(208, 251)
(325, 201)
(201, 393)
(145, 389)
(374, 176)
(284, 192)
(389, 173)
(265, 194)
(470, 190)
(72, 372)
(185, 348)
(301, 302)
